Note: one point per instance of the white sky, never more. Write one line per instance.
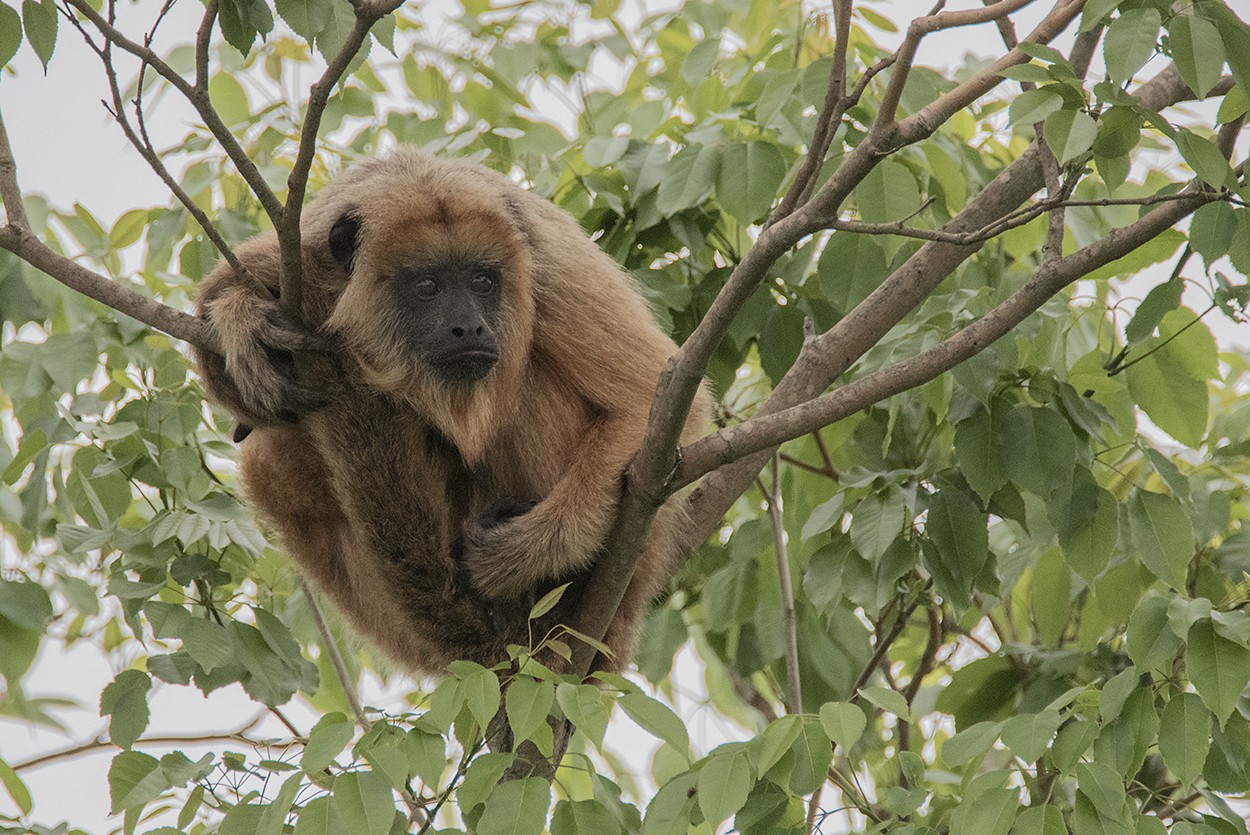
(69, 150)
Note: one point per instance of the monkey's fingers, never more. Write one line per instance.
(280, 332)
(269, 388)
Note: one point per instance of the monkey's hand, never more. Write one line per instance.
(490, 567)
(260, 342)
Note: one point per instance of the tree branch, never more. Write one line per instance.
(367, 14)
(836, 349)
(10, 191)
(18, 238)
(794, 687)
(764, 432)
(199, 100)
(336, 658)
(926, 25)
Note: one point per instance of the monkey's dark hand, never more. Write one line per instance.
(260, 343)
(483, 536)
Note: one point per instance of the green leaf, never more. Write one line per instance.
(1198, 51)
(40, 21)
(16, 788)
(364, 801)
(427, 755)
(1161, 300)
(1212, 229)
(978, 449)
(958, 530)
(1102, 786)
(669, 811)
(1089, 547)
(1185, 736)
(1033, 106)
(518, 807)
(887, 699)
(656, 719)
(228, 97)
(574, 817)
(481, 696)
(326, 741)
(125, 701)
(1070, 133)
(1050, 593)
(843, 723)
(688, 178)
(1130, 42)
(274, 816)
(10, 33)
(1072, 741)
(307, 18)
(724, 783)
(25, 604)
(1204, 157)
(1163, 536)
(888, 193)
(970, 744)
(583, 705)
(1218, 668)
(1095, 11)
(1151, 643)
(1040, 820)
(548, 601)
(876, 522)
(528, 703)
(767, 749)
(988, 812)
(1037, 447)
(319, 817)
(750, 175)
(135, 779)
(812, 753)
(1029, 734)
(824, 516)
(1115, 693)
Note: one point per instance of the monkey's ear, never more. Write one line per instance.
(344, 239)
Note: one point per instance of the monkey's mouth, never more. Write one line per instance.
(466, 366)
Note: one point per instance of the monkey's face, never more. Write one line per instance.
(434, 300)
(449, 315)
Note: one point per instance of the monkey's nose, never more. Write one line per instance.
(460, 333)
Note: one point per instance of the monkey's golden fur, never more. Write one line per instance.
(376, 473)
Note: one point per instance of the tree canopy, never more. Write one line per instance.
(968, 546)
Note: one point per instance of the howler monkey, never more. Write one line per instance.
(457, 445)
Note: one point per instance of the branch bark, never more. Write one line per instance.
(836, 349)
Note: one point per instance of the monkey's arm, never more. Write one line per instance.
(255, 379)
(601, 341)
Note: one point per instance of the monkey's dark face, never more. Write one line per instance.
(450, 315)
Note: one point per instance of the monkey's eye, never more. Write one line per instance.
(425, 288)
(481, 284)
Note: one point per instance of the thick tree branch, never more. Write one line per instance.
(648, 478)
(18, 238)
(837, 348)
(764, 432)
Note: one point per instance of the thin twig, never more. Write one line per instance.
(143, 144)
(789, 621)
(203, 36)
(336, 659)
(367, 14)
(198, 98)
(14, 208)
